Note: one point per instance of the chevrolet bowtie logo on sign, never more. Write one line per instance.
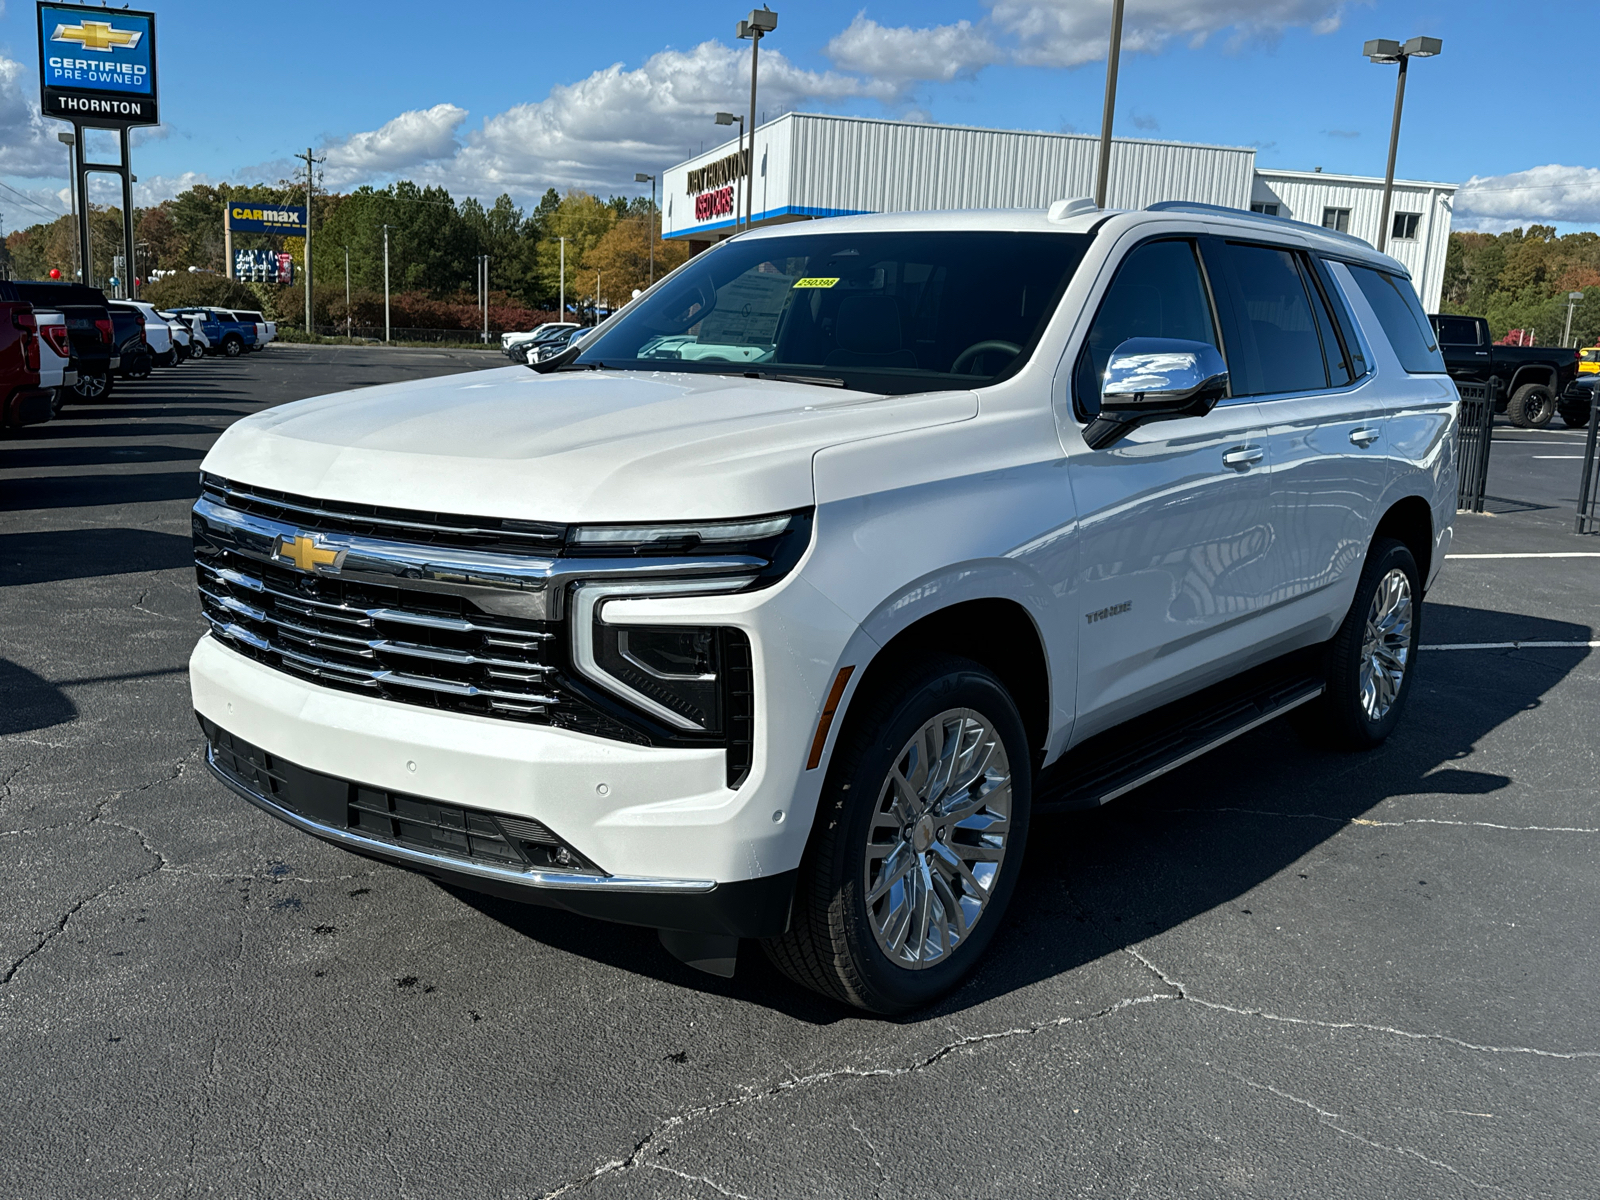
(302, 550)
(98, 35)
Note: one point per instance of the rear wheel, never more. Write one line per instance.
(1575, 416)
(92, 385)
(1531, 406)
(917, 843)
(232, 346)
(1369, 663)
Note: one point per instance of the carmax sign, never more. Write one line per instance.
(249, 218)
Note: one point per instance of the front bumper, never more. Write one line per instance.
(747, 908)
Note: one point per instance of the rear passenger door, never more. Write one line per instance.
(1295, 350)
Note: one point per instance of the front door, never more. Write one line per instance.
(1174, 524)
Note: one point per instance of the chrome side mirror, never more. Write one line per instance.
(1152, 379)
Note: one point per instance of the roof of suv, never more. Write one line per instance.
(1194, 216)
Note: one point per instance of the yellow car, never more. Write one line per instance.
(1589, 361)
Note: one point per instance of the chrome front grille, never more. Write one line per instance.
(384, 641)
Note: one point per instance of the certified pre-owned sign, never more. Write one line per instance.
(97, 66)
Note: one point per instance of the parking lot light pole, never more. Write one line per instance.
(67, 140)
(1103, 175)
(1572, 301)
(640, 178)
(1383, 51)
(561, 313)
(757, 25)
(386, 284)
(724, 118)
(347, 291)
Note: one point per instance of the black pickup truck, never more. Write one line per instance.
(1529, 378)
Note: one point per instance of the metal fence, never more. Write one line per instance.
(1589, 487)
(399, 333)
(1473, 439)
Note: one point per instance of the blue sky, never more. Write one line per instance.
(489, 97)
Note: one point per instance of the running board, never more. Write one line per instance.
(1114, 763)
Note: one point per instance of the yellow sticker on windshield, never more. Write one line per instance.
(815, 282)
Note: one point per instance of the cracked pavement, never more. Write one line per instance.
(1275, 972)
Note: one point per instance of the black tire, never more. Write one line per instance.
(1341, 717)
(1575, 416)
(831, 946)
(1531, 406)
(232, 346)
(58, 401)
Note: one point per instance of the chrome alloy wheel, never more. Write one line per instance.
(1386, 649)
(938, 838)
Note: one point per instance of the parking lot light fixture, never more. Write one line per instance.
(726, 118)
(1573, 299)
(757, 25)
(1384, 51)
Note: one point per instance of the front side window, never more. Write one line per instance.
(1280, 350)
(1158, 292)
(883, 312)
(1337, 219)
(1404, 323)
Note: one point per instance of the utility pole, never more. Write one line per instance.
(347, 291)
(310, 183)
(1572, 300)
(640, 177)
(483, 290)
(1103, 176)
(597, 297)
(386, 285)
(761, 21)
(562, 312)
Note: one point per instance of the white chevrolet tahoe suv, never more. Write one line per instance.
(776, 608)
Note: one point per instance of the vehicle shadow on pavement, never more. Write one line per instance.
(28, 702)
(87, 491)
(46, 556)
(1099, 882)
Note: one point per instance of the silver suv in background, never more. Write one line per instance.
(775, 608)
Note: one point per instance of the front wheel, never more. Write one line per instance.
(1575, 417)
(232, 347)
(917, 843)
(1370, 662)
(1531, 406)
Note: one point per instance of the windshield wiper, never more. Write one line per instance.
(819, 380)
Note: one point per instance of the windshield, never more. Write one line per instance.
(881, 312)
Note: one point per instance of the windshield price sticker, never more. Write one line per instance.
(815, 282)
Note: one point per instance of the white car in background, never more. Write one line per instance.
(56, 371)
(510, 343)
(266, 330)
(157, 333)
(991, 514)
(182, 337)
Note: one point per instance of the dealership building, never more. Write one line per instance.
(809, 166)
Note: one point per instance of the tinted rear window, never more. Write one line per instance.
(1402, 318)
(1283, 350)
(1457, 331)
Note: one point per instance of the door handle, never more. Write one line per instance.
(1363, 437)
(1481, 353)
(1242, 458)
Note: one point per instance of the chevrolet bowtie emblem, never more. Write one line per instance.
(302, 550)
(97, 35)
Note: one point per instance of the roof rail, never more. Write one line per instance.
(1222, 210)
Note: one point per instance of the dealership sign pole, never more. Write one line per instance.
(97, 69)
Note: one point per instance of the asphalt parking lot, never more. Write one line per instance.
(1275, 972)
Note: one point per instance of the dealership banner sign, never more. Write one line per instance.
(97, 66)
(253, 218)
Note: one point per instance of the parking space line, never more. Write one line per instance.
(1514, 646)
(1544, 554)
(1573, 456)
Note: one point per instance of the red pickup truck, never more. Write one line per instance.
(22, 400)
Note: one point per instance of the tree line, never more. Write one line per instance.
(1520, 280)
(434, 244)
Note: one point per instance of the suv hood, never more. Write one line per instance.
(568, 446)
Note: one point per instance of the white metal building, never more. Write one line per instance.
(808, 165)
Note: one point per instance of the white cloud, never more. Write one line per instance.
(406, 142)
(597, 132)
(28, 146)
(1539, 195)
(1069, 33)
(903, 55)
